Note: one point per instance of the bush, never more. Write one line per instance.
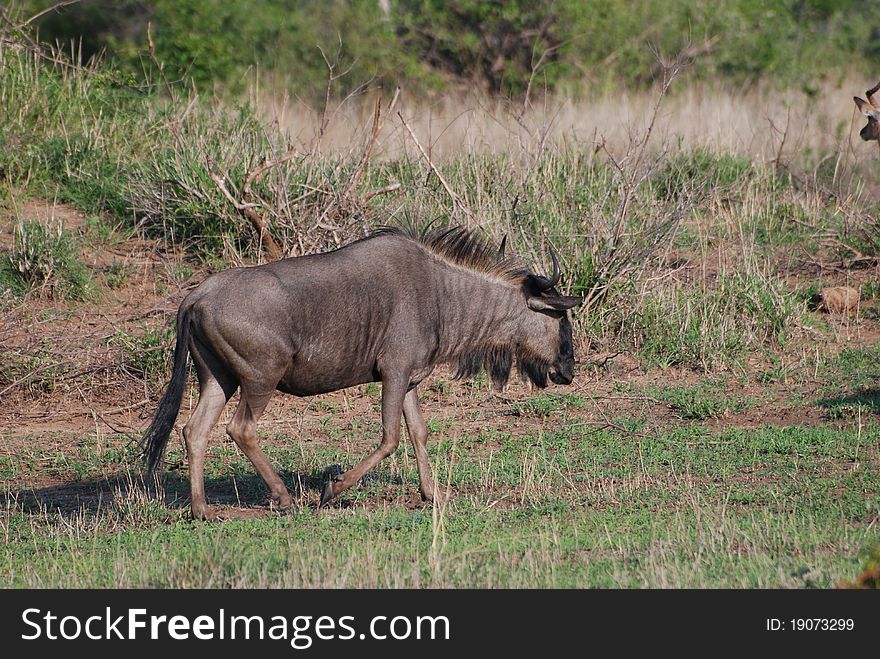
(577, 46)
(498, 44)
(65, 130)
(44, 258)
(218, 43)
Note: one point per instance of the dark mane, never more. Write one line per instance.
(464, 247)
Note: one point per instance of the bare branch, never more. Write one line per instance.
(384, 190)
(457, 202)
(267, 165)
(378, 120)
(22, 39)
(247, 210)
(55, 7)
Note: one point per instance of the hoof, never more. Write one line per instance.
(281, 503)
(332, 474)
(326, 493)
(438, 493)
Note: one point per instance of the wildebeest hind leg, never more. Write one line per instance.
(418, 435)
(392, 405)
(243, 430)
(212, 400)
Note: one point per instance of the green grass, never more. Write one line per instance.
(101, 231)
(773, 507)
(720, 171)
(543, 405)
(851, 380)
(116, 274)
(713, 329)
(701, 402)
(36, 370)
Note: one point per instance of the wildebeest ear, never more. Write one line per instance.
(866, 108)
(554, 302)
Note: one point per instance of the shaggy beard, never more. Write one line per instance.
(533, 370)
(498, 363)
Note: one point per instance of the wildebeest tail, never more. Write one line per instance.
(156, 437)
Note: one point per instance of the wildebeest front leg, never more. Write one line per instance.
(418, 435)
(243, 430)
(392, 405)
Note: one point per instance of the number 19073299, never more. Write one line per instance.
(810, 624)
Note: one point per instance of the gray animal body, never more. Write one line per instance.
(388, 308)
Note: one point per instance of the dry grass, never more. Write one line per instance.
(748, 122)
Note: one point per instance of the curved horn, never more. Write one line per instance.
(503, 245)
(547, 284)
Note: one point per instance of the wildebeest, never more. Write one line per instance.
(389, 307)
(871, 130)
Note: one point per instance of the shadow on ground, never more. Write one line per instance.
(866, 399)
(241, 492)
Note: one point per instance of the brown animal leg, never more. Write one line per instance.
(216, 387)
(212, 400)
(392, 405)
(418, 434)
(243, 430)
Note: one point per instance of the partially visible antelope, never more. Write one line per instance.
(871, 110)
(387, 308)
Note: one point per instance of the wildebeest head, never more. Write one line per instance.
(871, 130)
(548, 350)
(536, 332)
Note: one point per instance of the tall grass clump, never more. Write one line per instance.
(171, 191)
(44, 259)
(67, 130)
(84, 135)
(146, 355)
(713, 328)
(718, 172)
(216, 174)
